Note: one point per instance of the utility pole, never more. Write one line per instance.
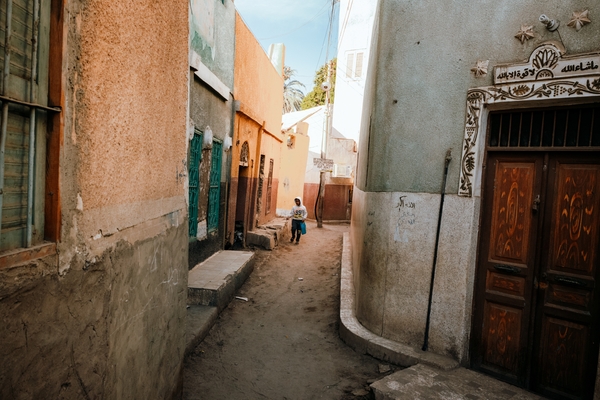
(324, 144)
(326, 86)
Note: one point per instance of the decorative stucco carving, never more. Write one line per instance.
(525, 33)
(481, 69)
(547, 76)
(579, 19)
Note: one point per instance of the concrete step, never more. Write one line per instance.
(425, 382)
(268, 236)
(214, 281)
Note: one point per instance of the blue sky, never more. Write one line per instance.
(301, 25)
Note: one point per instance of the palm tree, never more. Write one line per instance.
(292, 94)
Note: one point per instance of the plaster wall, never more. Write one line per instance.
(354, 33)
(414, 111)
(271, 148)
(396, 261)
(104, 317)
(258, 85)
(422, 76)
(293, 165)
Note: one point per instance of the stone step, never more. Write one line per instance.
(425, 382)
(214, 281)
(268, 236)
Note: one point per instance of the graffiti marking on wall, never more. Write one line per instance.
(406, 220)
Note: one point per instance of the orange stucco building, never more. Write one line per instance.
(257, 137)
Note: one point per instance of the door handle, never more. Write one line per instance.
(569, 281)
(507, 269)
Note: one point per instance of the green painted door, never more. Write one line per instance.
(194, 184)
(214, 192)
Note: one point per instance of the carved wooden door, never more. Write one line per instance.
(566, 325)
(506, 267)
(536, 308)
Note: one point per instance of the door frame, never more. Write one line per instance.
(548, 87)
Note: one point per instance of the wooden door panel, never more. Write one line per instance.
(567, 313)
(576, 220)
(502, 333)
(506, 266)
(563, 357)
(511, 218)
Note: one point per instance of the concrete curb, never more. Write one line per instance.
(200, 320)
(364, 341)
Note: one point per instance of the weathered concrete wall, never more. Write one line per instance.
(105, 316)
(415, 106)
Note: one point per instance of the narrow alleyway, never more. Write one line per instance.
(283, 342)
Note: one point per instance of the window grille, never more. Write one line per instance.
(24, 92)
(549, 129)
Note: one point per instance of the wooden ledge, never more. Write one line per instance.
(11, 258)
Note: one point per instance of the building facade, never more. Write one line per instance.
(211, 112)
(257, 139)
(93, 270)
(478, 167)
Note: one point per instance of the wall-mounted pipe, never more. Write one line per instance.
(435, 251)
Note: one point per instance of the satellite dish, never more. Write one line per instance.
(325, 86)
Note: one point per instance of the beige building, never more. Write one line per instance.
(93, 269)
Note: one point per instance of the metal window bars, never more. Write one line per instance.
(33, 106)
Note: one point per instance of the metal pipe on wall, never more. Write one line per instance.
(32, 120)
(5, 82)
(435, 250)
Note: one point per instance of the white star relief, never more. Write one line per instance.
(579, 19)
(481, 68)
(525, 33)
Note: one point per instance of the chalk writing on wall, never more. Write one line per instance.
(406, 219)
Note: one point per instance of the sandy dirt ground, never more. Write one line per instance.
(283, 343)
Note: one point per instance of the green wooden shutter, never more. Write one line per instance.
(194, 181)
(214, 192)
(16, 156)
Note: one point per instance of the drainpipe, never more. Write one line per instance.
(435, 251)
